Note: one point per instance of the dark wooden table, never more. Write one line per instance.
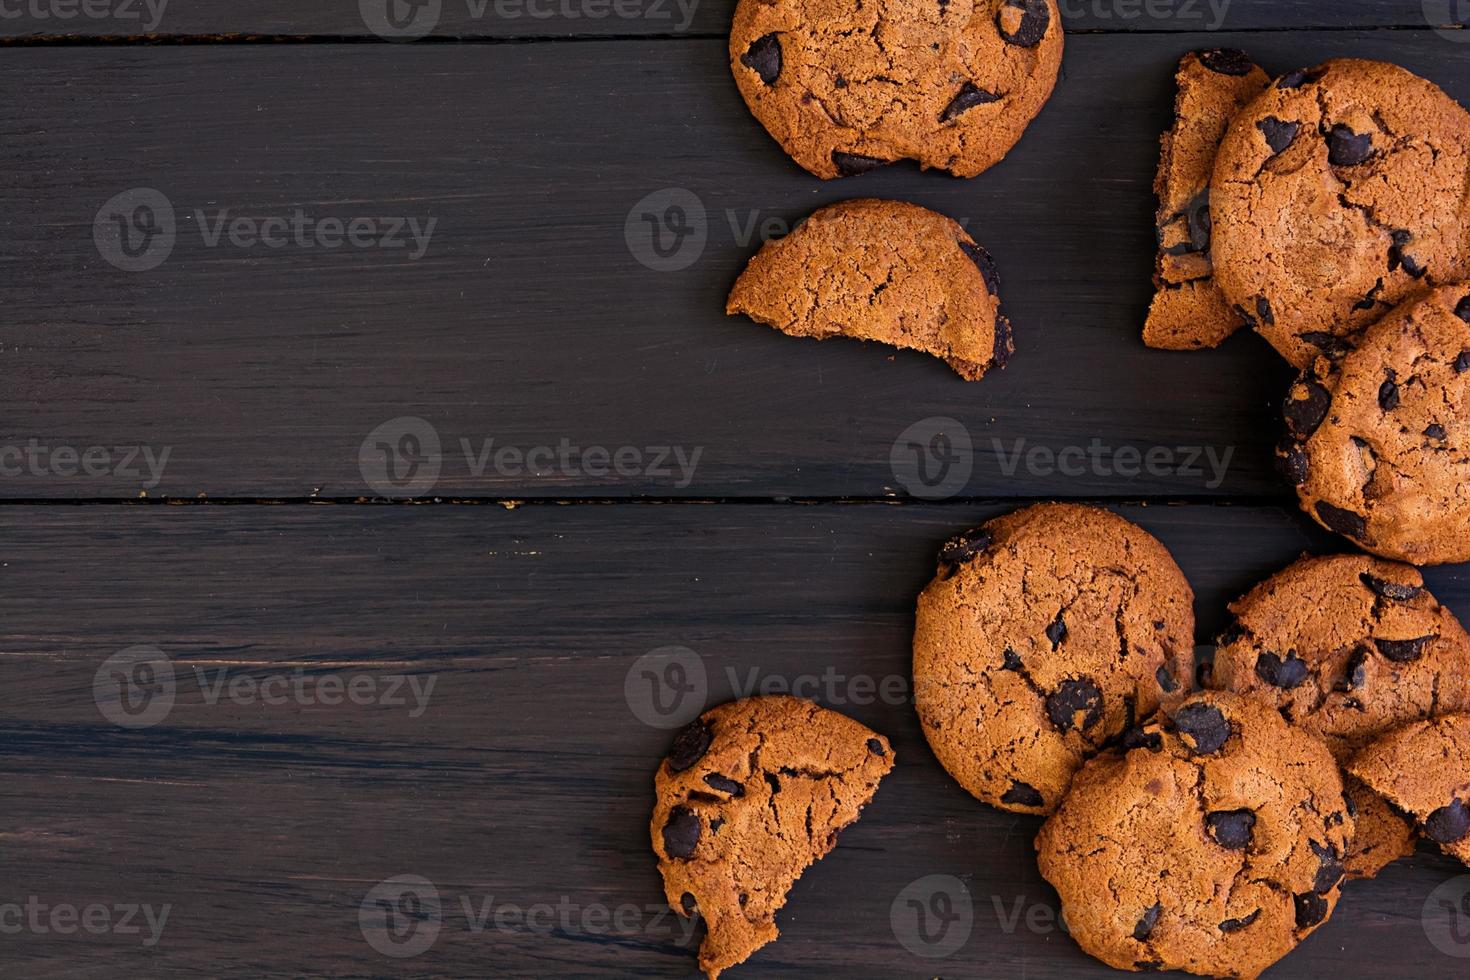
(264, 715)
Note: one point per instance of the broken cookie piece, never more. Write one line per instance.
(1423, 769)
(1189, 312)
(886, 271)
(752, 794)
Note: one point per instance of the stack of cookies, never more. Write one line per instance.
(1329, 210)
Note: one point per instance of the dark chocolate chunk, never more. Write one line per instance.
(1231, 829)
(1263, 311)
(1141, 738)
(1204, 725)
(1398, 257)
(1403, 651)
(876, 747)
(1436, 432)
(1356, 671)
(681, 832)
(964, 548)
(1285, 674)
(1344, 522)
(764, 58)
(687, 903)
(1020, 794)
(969, 97)
(1291, 461)
(853, 164)
(1235, 925)
(1034, 21)
(1449, 824)
(724, 784)
(1330, 871)
(1462, 309)
(1081, 695)
(1278, 132)
(1227, 61)
(1462, 363)
(1166, 680)
(690, 745)
(1146, 924)
(1304, 414)
(1057, 631)
(1004, 347)
(1388, 395)
(1390, 590)
(985, 264)
(1311, 909)
(1346, 148)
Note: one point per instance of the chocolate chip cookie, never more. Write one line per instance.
(1189, 312)
(751, 795)
(1210, 841)
(886, 271)
(847, 88)
(1337, 193)
(1424, 769)
(1378, 443)
(1347, 647)
(1046, 634)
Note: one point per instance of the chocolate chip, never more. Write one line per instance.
(690, 745)
(1004, 347)
(1235, 925)
(1012, 661)
(964, 548)
(764, 58)
(1436, 432)
(876, 747)
(1329, 344)
(853, 164)
(681, 833)
(1402, 651)
(1227, 61)
(1263, 310)
(1448, 824)
(1278, 132)
(1306, 407)
(1145, 926)
(1311, 909)
(687, 903)
(1285, 674)
(1245, 315)
(1297, 79)
(1141, 738)
(1390, 590)
(724, 784)
(1034, 21)
(1233, 633)
(1398, 257)
(1356, 671)
(1020, 794)
(1291, 461)
(1166, 680)
(1462, 363)
(1388, 395)
(1344, 522)
(985, 264)
(1204, 725)
(1330, 871)
(1346, 148)
(1462, 309)
(1057, 631)
(1231, 829)
(1074, 696)
(968, 98)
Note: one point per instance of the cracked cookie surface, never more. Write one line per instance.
(1211, 841)
(848, 87)
(1337, 193)
(1046, 634)
(1189, 311)
(885, 271)
(1424, 770)
(1378, 444)
(1348, 647)
(752, 794)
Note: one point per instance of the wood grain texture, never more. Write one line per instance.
(575, 18)
(529, 320)
(527, 778)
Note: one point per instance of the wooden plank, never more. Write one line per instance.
(525, 779)
(530, 320)
(413, 19)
